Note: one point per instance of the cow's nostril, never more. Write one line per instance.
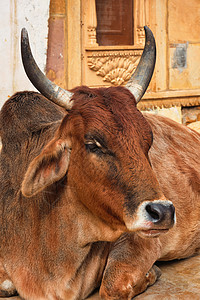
(161, 214)
(154, 212)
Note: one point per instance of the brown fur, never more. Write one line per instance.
(58, 240)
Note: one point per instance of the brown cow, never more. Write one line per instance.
(85, 194)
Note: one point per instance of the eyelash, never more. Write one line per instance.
(94, 147)
(97, 148)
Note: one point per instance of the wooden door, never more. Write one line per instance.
(114, 22)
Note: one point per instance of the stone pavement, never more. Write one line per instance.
(180, 280)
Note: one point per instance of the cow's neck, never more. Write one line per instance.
(87, 244)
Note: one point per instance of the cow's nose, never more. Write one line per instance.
(161, 214)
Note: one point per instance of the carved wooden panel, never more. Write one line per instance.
(115, 67)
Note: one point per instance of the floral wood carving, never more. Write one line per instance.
(114, 67)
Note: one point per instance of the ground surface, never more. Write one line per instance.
(179, 280)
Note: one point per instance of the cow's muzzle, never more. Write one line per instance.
(152, 218)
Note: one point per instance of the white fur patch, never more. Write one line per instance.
(7, 285)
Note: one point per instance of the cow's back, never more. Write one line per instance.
(174, 157)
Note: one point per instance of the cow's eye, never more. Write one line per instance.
(94, 147)
(90, 95)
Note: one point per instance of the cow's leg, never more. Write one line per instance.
(7, 288)
(129, 270)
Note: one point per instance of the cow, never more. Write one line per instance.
(93, 192)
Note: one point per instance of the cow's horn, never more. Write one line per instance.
(46, 87)
(140, 79)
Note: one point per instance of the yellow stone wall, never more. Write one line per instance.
(176, 24)
(184, 31)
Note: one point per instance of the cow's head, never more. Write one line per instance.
(102, 145)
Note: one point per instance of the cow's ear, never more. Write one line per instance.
(47, 168)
